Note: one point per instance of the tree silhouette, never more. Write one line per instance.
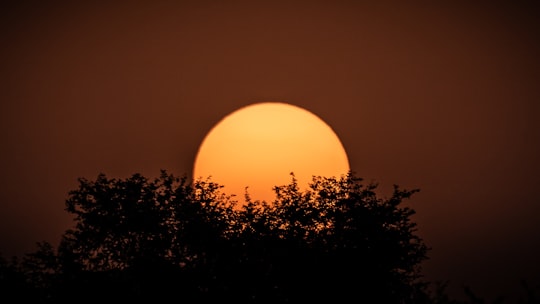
(170, 238)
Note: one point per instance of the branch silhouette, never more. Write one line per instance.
(140, 239)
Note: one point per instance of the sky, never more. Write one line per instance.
(443, 96)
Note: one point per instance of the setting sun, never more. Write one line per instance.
(258, 146)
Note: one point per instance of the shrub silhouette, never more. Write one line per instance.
(170, 238)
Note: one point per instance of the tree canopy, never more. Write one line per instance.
(173, 238)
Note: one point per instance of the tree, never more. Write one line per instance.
(137, 239)
(146, 238)
(339, 241)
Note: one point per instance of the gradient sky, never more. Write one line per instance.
(441, 96)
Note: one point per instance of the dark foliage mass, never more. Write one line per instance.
(137, 239)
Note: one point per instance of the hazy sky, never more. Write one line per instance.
(441, 96)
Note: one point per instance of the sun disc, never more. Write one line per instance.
(259, 145)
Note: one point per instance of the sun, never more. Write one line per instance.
(260, 145)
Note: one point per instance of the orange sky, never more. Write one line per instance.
(437, 96)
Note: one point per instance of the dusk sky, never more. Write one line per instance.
(443, 96)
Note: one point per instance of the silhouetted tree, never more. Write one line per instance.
(144, 238)
(336, 241)
(170, 238)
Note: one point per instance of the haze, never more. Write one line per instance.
(441, 96)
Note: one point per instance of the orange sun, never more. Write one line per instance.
(258, 146)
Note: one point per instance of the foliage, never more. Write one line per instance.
(141, 239)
